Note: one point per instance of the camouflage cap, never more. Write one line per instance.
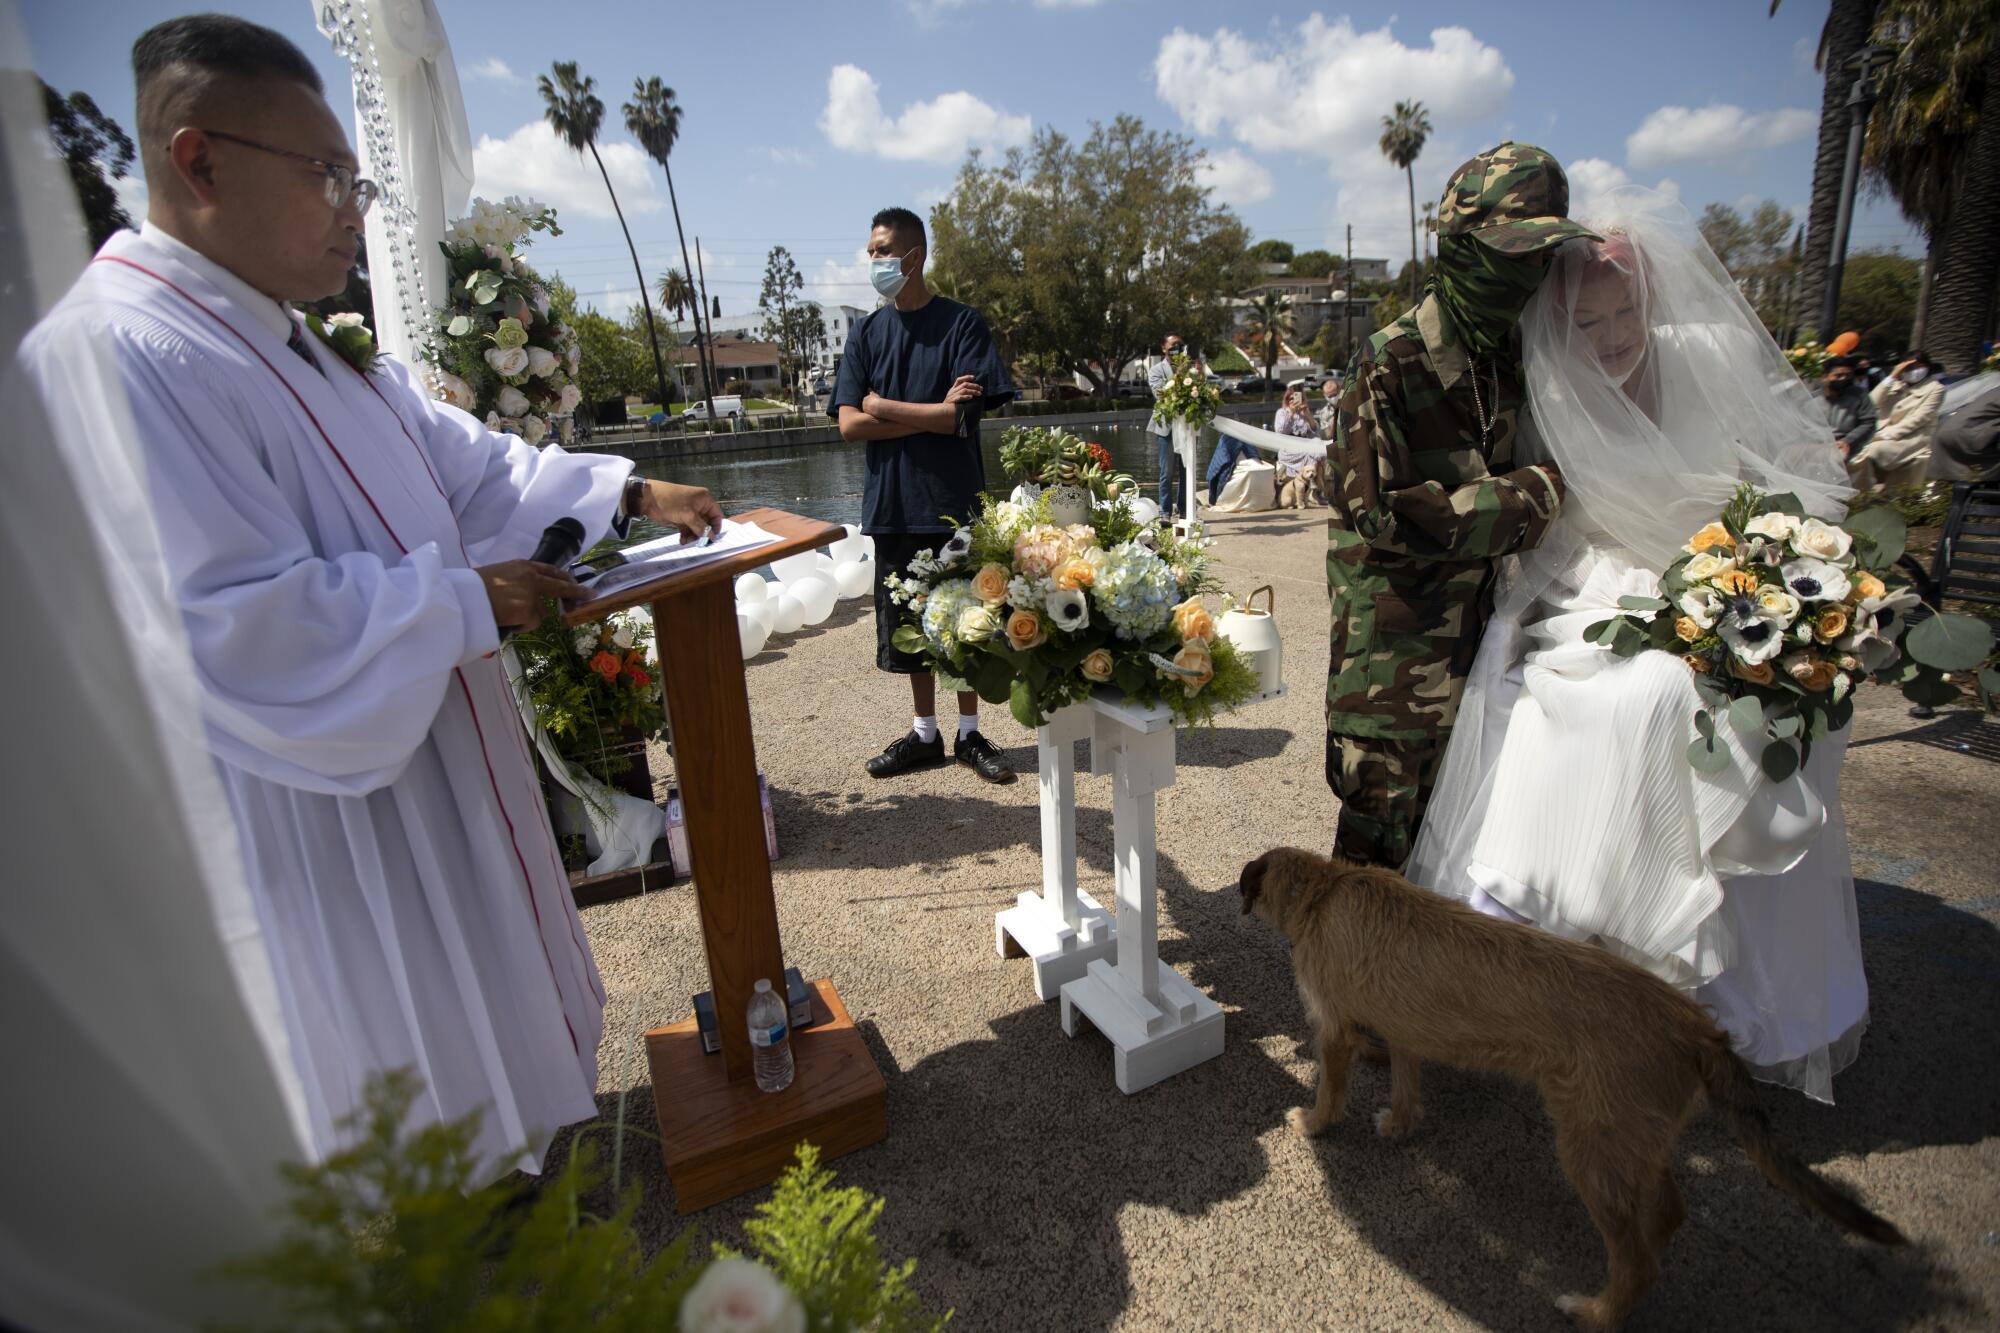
(1514, 198)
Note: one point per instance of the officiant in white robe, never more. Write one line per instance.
(345, 553)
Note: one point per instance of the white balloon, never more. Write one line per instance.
(752, 588)
(751, 633)
(851, 578)
(848, 548)
(868, 547)
(816, 595)
(793, 566)
(791, 613)
(764, 613)
(1145, 510)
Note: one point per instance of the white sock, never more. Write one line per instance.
(967, 724)
(925, 727)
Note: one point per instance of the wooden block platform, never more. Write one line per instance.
(720, 1138)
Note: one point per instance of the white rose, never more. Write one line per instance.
(621, 632)
(1778, 527)
(507, 362)
(541, 362)
(533, 429)
(456, 391)
(511, 401)
(567, 402)
(1701, 605)
(1777, 604)
(539, 299)
(347, 319)
(740, 1296)
(1822, 540)
(1706, 566)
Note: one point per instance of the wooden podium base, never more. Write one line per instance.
(720, 1138)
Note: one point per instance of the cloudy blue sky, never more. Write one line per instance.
(802, 118)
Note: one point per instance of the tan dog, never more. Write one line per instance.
(1620, 1057)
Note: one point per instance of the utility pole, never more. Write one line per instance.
(1347, 306)
(708, 343)
(1860, 101)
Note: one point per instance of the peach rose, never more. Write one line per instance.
(1074, 573)
(1712, 537)
(1686, 628)
(1097, 666)
(1757, 673)
(1194, 656)
(1866, 585)
(1815, 674)
(1024, 631)
(1737, 580)
(607, 665)
(1832, 624)
(1192, 621)
(989, 585)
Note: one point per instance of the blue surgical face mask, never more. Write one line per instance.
(886, 275)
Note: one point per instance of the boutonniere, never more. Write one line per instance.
(347, 336)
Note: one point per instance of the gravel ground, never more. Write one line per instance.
(1035, 1196)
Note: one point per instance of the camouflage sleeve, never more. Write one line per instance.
(1391, 506)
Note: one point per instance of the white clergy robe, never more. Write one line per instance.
(321, 531)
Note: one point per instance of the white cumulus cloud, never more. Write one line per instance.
(495, 69)
(1717, 132)
(940, 130)
(1235, 178)
(1591, 181)
(533, 162)
(790, 157)
(1325, 88)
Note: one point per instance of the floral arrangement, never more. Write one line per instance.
(1808, 359)
(1049, 456)
(392, 1232)
(591, 688)
(1779, 616)
(1187, 396)
(346, 335)
(500, 353)
(1036, 615)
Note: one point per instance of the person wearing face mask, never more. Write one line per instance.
(916, 378)
(1906, 404)
(1848, 408)
(1157, 376)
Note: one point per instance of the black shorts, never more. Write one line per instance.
(893, 553)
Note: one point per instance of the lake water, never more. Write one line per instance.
(824, 481)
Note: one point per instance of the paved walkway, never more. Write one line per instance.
(1036, 1197)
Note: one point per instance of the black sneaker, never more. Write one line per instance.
(905, 753)
(977, 753)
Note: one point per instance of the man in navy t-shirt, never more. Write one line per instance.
(914, 381)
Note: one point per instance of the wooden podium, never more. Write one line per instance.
(721, 1134)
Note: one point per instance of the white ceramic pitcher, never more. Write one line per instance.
(1255, 635)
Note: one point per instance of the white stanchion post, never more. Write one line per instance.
(1062, 929)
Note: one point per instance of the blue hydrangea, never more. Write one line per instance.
(947, 599)
(1135, 591)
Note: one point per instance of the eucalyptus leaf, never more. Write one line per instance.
(1989, 681)
(1787, 725)
(1951, 642)
(1021, 700)
(1627, 640)
(1711, 693)
(1747, 716)
(1882, 526)
(1784, 502)
(1635, 602)
(1601, 632)
(1779, 760)
(460, 326)
(1707, 757)
(1704, 723)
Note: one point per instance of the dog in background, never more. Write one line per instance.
(1621, 1058)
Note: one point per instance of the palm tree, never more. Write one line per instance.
(654, 119)
(1962, 300)
(677, 298)
(1270, 323)
(574, 112)
(1403, 136)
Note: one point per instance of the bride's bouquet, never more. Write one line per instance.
(1779, 616)
(1037, 614)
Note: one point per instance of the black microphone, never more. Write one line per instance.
(561, 544)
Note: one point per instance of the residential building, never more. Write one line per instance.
(733, 357)
(840, 320)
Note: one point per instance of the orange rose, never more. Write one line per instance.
(1866, 585)
(1074, 573)
(989, 585)
(1811, 673)
(1832, 624)
(1757, 673)
(1736, 580)
(1097, 666)
(1685, 627)
(1024, 631)
(607, 665)
(1712, 537)
(1192, 621)
(1195, 657)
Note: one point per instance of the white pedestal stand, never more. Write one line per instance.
(1185, 438)
(1062, 929)
(1156, 1020)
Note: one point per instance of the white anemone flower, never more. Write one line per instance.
(1750, 634)
(1815, 580)
(1068, 608)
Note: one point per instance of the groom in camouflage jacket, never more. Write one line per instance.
(1427, 497)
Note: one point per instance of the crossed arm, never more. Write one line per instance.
(880, 418)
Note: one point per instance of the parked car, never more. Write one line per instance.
(726, 405)
(1256, 384)
(1123, 391)
(1063, 393)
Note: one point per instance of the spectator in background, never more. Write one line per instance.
(1298, 469)
(1329, 407)
(1867, 374)
(1848, 409)
(1906, 406)
(1170, 469)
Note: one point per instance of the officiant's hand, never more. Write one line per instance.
(690, 509)
(519, 589)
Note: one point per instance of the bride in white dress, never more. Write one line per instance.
(1566, 797)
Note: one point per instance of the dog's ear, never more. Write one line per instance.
(1251, 882)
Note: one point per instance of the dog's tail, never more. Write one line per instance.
(1729, 1088)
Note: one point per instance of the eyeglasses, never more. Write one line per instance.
(341, 182)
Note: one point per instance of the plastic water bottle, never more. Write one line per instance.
(770, 1044)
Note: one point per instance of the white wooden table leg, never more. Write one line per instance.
(1056, 751)
(1062, 928)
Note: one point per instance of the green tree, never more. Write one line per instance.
(1878, 300)
(653, 117)
(611, 363)
(1314, 264)
(1095, 250)
(97, 153)
(1270, 323)
(1402, 142)
(574, 111)
(779, 300)
(1270, 252)
(1756, 251)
